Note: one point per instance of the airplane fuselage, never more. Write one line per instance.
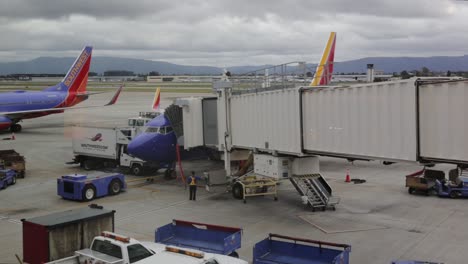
(30, 101)
(25, 100)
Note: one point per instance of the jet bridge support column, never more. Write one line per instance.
(223, 89)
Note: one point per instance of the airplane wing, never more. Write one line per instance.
(111, 102)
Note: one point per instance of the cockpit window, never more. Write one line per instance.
(159, 130)
(152, 130)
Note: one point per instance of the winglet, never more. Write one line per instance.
(157, 99)
(324, 71)
(116, 96)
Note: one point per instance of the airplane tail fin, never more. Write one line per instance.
(324, 71)
(76, 79)
(157, 99)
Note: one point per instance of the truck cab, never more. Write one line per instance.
(116, 247)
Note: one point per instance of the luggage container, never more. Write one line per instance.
(44, 237)
(10, 159)
(291, 250)
(204, 237)
(423, 181)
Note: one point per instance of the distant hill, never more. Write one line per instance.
(398, 64)
(52, 65)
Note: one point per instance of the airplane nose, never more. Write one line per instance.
(140, 147)
(153, 147)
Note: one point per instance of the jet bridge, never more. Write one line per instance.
(414, 120)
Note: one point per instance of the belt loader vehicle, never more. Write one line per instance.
(98, 147)
(111, 248)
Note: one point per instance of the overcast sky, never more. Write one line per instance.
(228, 32)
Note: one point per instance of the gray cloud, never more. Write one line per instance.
(232, 32)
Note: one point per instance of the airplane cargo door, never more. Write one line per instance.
(210, 122)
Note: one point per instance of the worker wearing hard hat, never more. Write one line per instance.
(192, 182)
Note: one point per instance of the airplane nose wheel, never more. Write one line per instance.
(15, 128)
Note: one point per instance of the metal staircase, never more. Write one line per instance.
(316, 189)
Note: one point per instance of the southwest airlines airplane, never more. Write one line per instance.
(18, 105)
(158, 141)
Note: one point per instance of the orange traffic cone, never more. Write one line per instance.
(13, 136)
(348, 179)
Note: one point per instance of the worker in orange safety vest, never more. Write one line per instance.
(192, 182)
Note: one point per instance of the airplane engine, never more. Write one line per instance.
(5, 122)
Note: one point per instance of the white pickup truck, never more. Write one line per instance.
(111, 248)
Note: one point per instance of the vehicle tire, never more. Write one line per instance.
(454, 194)
(13, 181)
(22, 174)
(15, 128)
(237, 191)
(168, 174)
(234, 254)
(137, 169)
(115, 187)
(411, 190)
(276, 199)
(89, 192)
(5, 185)
(88, 164)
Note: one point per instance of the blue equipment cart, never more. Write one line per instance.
(291, 250)
(7, 177)
(204, 237)
(86, 188)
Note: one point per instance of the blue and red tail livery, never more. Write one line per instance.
(18, 105)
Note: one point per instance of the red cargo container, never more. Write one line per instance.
(55, 236)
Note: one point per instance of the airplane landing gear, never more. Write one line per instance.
(15, 128)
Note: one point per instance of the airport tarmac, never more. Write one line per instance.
(378, 218)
